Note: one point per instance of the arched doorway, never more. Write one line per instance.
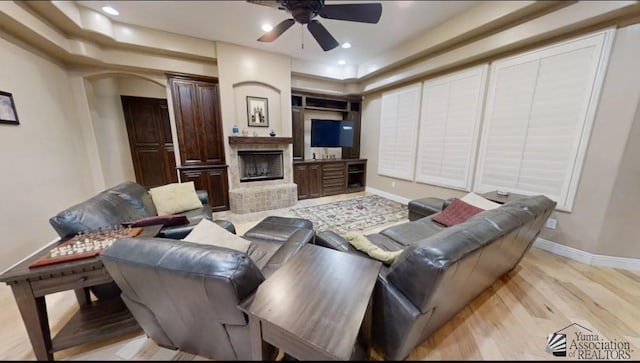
(132, 129)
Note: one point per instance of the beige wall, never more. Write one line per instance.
(602, 171)
(110, 131)
(619, 235)
(109, 127)
(618, 102)
(139, 87)
(250, 72)
(44, 159)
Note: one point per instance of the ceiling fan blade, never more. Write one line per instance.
(364, 13)
(326, 40)
(277, 31)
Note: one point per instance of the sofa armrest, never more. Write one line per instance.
(330, 239)
(289, 248)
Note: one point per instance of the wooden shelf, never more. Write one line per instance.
(259, 140)
(97, 321)
(325, 108)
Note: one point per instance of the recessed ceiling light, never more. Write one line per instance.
(267, 27)
(342, 62)
(346, 45)
(109, 10)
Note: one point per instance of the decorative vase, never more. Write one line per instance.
(235, 130)
(272, 133)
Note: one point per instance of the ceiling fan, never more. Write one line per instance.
(304, 12)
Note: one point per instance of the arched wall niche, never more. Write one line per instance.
(243, 90)
(107, 131)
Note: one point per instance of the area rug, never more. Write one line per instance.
(357, 214)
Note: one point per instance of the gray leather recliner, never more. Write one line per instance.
(185, 295)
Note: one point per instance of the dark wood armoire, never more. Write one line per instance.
(196, 106)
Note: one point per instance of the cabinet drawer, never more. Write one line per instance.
(332, 175)
(333, 183)
(338, 166)
(326, 178)
(69, 282)
(333, 190)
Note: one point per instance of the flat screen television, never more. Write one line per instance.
(331, 133)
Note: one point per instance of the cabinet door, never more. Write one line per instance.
(149, 133)
(196, 106)
(214, 181)
(301, 178)
(354, 151)
(297, 126)
(211, 148)
(315, 180)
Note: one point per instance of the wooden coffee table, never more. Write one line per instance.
(94, 320)
(316, 306)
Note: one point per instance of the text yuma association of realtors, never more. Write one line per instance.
(591, 346)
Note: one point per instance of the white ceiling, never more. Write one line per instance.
(240, 22)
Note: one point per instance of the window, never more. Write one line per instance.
(539, 111)
(398, 132)
(449, 126)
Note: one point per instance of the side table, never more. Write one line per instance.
(316, 306)
(501, 199)
(94, 320)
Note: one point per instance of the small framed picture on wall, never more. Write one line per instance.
(257, 111)
(8, 114)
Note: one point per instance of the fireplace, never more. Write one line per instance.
(261, 174)
(257, 165)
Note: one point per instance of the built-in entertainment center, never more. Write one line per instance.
(326, 144)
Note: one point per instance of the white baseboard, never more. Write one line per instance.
(379, 192)
(586, 257)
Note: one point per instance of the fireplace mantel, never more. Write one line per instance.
(259, 140)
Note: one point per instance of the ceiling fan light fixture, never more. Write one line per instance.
(305, 11)
(267, 27)
(110, 10)
(346, 45)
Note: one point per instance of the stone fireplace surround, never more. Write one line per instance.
(256, 196)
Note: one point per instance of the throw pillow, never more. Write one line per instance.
(207, 232)
(175, 198)
(479, 201)
(363, 244)
(456, 212)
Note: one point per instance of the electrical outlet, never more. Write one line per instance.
(551, 223)
(393, 184)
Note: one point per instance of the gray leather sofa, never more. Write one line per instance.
(125, 202)
(185, 295)
(443, 269)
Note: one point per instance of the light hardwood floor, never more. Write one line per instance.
(509, 321)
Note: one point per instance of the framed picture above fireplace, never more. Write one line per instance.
(257, 111)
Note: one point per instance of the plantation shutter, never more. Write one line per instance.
(449, 127)
(539, 112)
(398, 132)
